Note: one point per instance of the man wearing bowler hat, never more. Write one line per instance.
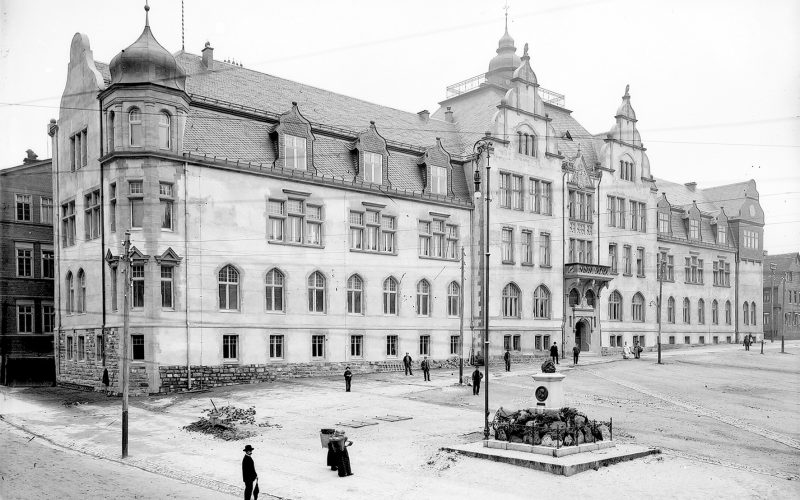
(248, 472)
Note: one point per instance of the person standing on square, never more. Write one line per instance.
(348, 376)
(575, 351)
(407, 364)
(476, 381)
(507, 359)
(248, 471)
(554, 353)
(426, 369)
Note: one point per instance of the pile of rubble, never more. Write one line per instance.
(556, 428)
(227, 422)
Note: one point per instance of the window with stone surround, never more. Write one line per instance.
(355, 295)
(48, 262)
(81, 348)
(356, 346)
(112, 207)
(544, 249)
(372, 231)
(135, 128)
(527, 247)
(613, 257)
(424, 345)
(164, 130)
(23, 207)
(511, 294)
(316, 292)
(166, 201)
(637, 308)
(391, 346)
(81, 291)
(70, 348)
(275, 291)
(640, 262)
(230, 348)
(69, 285)
(671, 310)
(687, 311)
(137, 286)
(68, 224)
(91, 215)
(318, 346)
(728, 312)
(136, 202)
(715, 312)
(98, 348)
(48, 318)
(701, 312)
(541, 303)
(77, 154)
(507, 245)
(25, 316)
(663, 222)
(423, 298)
(276, 347)
(438, 180)
(167, 287)
(137, 347)
(390, 296)
(540, 196)
(296, 222)
(24, 253)
(455, 344)
(453, 298)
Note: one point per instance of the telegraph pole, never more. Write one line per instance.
(461, 324)
(661, 269)
(126, 258)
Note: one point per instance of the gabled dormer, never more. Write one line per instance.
(372, 157)
(168, 258)
(137, 256)
(693, 223)
(664, 217)
(294, 141)
(437, 170)
(719, 225)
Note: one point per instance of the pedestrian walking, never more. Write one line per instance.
(575, 351)
(407, 364)
(507, 359)
(342, 457)
(426, 369)
(746, 343)
(554, 353)
(476, 381)
(249, 473)
(636, 349)
(348, 376)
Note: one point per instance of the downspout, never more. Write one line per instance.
(563, 263)
(186, 270)
(53, 131)
(102, 239)
(597, 213)
(736, 299)
(471, 281)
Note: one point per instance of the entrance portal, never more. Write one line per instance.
(582, 335)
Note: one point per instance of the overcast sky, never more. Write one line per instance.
(715, 84)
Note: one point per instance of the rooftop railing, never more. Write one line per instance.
(464, 86)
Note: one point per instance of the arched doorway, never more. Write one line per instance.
(583, 335)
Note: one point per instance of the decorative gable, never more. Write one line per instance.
(370, 141)
(580, 174)
(169, 258)
(294, 141)
(436, 159)
(137, 256)
(112, 260)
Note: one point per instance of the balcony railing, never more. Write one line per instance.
(462, 87)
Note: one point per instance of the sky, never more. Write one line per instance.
(715, 83)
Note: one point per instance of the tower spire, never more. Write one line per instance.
(506, 9)
(183, 47)
(146, 14)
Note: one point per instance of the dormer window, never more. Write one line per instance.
(295, 148)
(694, 229)
(627, 170)
(373, 168)
(722, 234)
(164, 128)
(135, 127)
(663, 223)
(438, 180)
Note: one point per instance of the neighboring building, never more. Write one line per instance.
(283, 230)
(27, 310)
(782, 306)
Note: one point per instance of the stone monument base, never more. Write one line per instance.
(549, 390)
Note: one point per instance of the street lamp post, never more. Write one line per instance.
(484, 145)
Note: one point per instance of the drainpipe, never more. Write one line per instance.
(186, 270)
(53, 132)
(563, 262)
(736, 299)
(102, 240)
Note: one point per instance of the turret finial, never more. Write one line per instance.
(627, 88)
(506, 9)
(525, 51)
(146, 13)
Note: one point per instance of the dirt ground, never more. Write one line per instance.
(725, 419)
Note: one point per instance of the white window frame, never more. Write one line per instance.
(277, 347)
(438, 180)
(30, 314)
(373, 167)
(230, 348)
(296, 152)
(23, 253)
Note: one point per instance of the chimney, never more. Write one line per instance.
(424, 115)
(208, 56)
(448, 115)
(691, 185)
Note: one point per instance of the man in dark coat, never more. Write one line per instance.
(248, 472)
(407, 363)
(348, 376)
(476, 381)
(575, 352)
(426, 369)
(746, 343)
(507, 359)
(554, 353)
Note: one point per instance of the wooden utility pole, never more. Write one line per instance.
(126, 258)
(661, 269)
(461, 324)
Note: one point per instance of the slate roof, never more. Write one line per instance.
(731, 196)
(784, 262)
(678, 195)
(563, 121)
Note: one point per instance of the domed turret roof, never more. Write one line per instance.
(625, 109)
(146, 61)
(506, 57)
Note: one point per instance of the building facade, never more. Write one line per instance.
(27, 307)
(278, 229)
(782, 296)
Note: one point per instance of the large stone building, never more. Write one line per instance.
(27, 271)
(782, 304)
(278, 229)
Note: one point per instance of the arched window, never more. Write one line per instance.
(715, 312)
(390, 296)
(574, 297)
(135, 127)
(541, 302)
(531, 149)
(164, 130)
(746, 311)
(701, 312)
(228, 281)
(70, 287)
(355, 295)
(316, 292)
(728, 312)
(753, 313)
(671, 310)
(637, 307)
(275, 290)
(590, 300)
(81, 291)
(615, 306)
(511, 301)
(687, 312)
(423, 298)
(453, 299)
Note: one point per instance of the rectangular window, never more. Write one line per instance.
(507, 245)
(166, 287)
(113, 280)
(46, 210)
(517, 343)
(672, 339)
(373, 168)
(517, 198)
(91, 215)
(295, 152)
(547, 198)
(507, 342)
(455, 343)
(670, 268)
(437, 246)
(81, 348)
(68, 224)
(98, 348)
(48, 318)
(527, 247)
(438, 180)
(313, 225)
(277, 216)
(505, 190)
(137, 285)
(356, 346)
(136, 201)
(546, 341)
(621, 217)
(612, 257)
(391, 346)
(694, 229)
(611, 209)
(626, 259)
(230, 347)
(23, 207)
(663, 223)
(372, 242)
(25, 317)
(112, 207)
(318, 346)
(640, 262)
(357, 230)
(276, 347)
(69, 349)
(24, 253)
(424, 345)
(387, 233)
(451, 252)
(137, 347)
(544, 249)
(424, 239)
(166, 200)
(537, 343)
(294, 221)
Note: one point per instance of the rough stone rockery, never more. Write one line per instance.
(556, 428)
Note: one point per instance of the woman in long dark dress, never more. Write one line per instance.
(333, 460)
(343, 456)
